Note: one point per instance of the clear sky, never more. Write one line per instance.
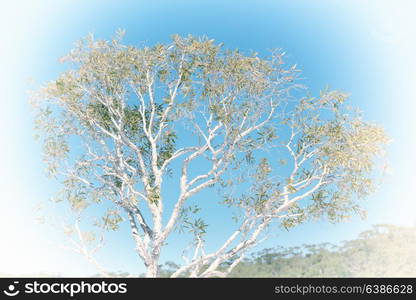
(363, 47)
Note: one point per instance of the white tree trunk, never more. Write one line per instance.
(152, 269)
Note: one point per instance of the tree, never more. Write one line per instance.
(124, 119)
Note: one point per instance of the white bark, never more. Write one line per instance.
(220, 143)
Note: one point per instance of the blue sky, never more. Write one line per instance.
(362, 47)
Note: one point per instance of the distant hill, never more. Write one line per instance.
(383, 251)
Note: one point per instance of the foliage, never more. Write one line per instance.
(123, 119)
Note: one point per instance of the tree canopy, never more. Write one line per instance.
(122, 119)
